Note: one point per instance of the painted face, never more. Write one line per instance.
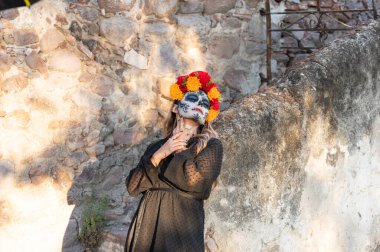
(194, 105)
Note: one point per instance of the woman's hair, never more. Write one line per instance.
(204, 133)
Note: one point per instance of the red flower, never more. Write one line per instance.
(215, 104)
(180, 79)
(204, 77)
(182, 86)
(207, 88)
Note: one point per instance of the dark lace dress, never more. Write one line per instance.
(170, 216)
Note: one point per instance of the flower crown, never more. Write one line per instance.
(193, 82)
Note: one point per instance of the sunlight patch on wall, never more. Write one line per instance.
(32, 218)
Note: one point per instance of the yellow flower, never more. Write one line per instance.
(213, 93)
(175, 92)
(212, 113)
(193, 83)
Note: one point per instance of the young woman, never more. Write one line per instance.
(177, 173)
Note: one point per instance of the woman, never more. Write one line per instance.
(177, 173)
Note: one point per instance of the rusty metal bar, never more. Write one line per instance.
(295, 47)
(374, 9)
(316, 29)
(295, 22)
(269, 41)
(325, 11)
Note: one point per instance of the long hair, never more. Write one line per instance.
(204, 133)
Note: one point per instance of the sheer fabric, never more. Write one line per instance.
(166, 220)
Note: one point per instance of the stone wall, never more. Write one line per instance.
(80, 95)
(308, 178)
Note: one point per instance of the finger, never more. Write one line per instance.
(184, 136)
(174, 136)
(175, 143)
(179, 149)
(178, 134)
(178, 122)
(183, 148)
(181, 123)
(175, 132)
(178, 145)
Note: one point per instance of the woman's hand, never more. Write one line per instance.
(174, 144)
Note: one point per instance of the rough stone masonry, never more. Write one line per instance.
(80, 98)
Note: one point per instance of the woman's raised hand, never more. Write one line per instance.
(174, 144)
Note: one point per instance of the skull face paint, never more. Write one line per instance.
(194, 105)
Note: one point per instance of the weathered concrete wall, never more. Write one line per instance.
(301, 169)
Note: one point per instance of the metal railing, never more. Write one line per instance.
(318, 26)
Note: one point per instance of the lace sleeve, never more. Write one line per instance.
(197, 174)
(144, 175)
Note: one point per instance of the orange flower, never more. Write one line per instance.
(212, 113)
(193, 83)
(213, 93)
(175, 92)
